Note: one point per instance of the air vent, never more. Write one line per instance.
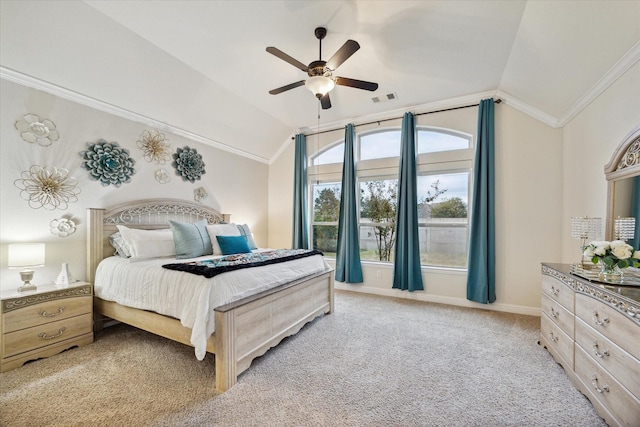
(384, 98)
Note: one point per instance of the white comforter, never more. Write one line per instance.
(189, 297)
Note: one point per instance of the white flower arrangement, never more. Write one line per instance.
(612, 253)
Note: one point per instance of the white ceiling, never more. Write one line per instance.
(206, 60)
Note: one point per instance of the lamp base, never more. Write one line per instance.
(27, 287)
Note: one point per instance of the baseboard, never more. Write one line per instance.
(420, 296)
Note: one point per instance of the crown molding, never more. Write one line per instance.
(622, 66)
(527, 109)
(44, 86)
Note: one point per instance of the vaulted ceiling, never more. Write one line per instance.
(201, 66)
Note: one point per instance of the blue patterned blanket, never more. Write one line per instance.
(212, 267)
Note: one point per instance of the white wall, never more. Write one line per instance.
(235, 184)
(589, 142)
(528, 211)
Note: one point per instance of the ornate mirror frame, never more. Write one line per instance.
(624, 164)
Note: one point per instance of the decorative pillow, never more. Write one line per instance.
(191, 239)
(148, 243)
(221, 230)
(121, 247)
(246, 232)
(230, 245)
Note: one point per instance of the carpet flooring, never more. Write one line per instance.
(374, 362)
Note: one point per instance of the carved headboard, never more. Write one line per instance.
(146, 214)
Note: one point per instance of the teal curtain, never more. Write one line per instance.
(482, 245)
(635, 212)
(348, 266)
(407, 274)
(300, 231)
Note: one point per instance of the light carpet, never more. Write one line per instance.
(374, 362)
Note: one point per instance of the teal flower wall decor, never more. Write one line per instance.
(188, 164)
(108, 163)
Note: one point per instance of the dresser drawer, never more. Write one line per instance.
(610, 323)
(558, 292)
(45, 312)
(42, 335)
(601, 385)
(558, 314)
(557, 341)
(619, 363)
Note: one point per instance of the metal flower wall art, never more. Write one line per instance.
(33, 129)
(63, 227)
(162, 176)
(155, 147)
(188, 164)
(48, 187)
(108, 163)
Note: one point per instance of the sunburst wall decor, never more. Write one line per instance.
(188, 164)
(33, 129)
(48, 187)
(108, 163)
(155, 147)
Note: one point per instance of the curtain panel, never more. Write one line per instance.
(348, 265)
(482, 259)
(300, 233)
(407, 273)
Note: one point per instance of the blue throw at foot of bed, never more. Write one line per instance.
(212, 267)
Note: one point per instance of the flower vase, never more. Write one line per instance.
(610, 274)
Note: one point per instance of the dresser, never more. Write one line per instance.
(45, 322)
(593, 331)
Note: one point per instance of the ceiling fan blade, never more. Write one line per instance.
(280, 54)
(358, 84)
(325, 102)
(287, 87)
(348, 48)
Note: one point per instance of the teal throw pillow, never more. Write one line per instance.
(191, 239)
(230, 245)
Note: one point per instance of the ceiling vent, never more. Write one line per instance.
(384, 98)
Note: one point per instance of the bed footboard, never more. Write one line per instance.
(248, 328)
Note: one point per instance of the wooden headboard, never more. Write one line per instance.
(146, 214)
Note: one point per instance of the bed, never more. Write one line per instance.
(245, 328)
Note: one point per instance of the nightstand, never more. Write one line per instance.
(44, 322)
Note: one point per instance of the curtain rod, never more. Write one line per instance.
(497, 101)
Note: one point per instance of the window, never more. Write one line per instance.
(444, 159)
(326, 209)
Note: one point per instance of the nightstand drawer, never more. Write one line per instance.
(42, 335)
(46, 312)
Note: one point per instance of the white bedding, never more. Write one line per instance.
(190, 297)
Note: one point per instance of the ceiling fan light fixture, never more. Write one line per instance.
(320, 85)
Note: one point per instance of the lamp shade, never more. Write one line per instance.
(586, 228)
(319, 85)
(26, 255)
(624, 228)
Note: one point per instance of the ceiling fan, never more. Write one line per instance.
(321, 79)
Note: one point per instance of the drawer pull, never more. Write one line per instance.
(555, 291)
(597, 353)
(597, 320)
(45, 314)
(44, 335)
(595, 385)
(553, 337)
(554, 313)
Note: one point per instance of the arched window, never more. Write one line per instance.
(444, 161)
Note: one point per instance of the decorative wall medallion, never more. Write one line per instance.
(155, 147)
(63, 227)
(34, 130)
(162, 176)
(188, 164)
(48, 187)
(108, 163)
(199, 194)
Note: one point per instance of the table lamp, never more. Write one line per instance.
(585, 228)
(26, 256)
(624, 228)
